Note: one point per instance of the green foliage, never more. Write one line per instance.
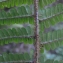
(21, 12)
(15, 57)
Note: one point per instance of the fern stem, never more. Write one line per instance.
(10, 37)
(51, 41)
(37, 44)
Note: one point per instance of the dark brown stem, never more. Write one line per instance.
(37, 44)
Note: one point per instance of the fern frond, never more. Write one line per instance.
(52, 39)
(12, 3)
(23, 34)
(25, 57)
(50, 16)
(21, 15)
(47, 60)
